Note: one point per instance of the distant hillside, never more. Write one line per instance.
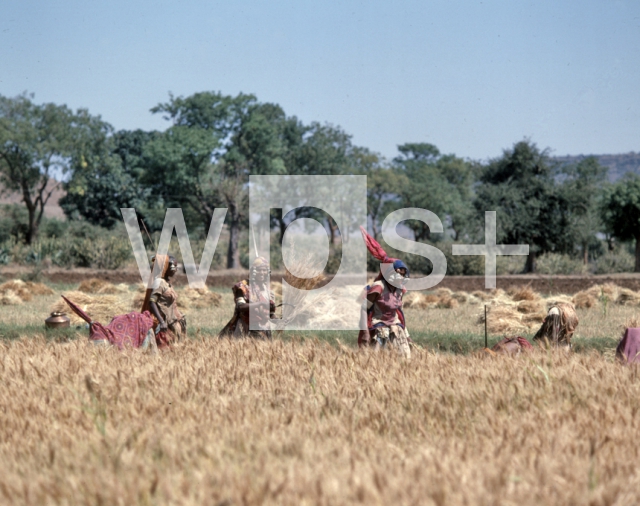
(618, 165)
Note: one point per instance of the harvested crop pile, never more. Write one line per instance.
(504, 320)
(16, 291)
(418, 300)
(448, 302)
(519, 293)
(628, 297)
(528, 306)
(461, 297)
(482, 295)
(101, 308)
(100, 286)
(584, 300)
(198, 298)
(609, 291)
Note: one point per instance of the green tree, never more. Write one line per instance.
(620, 211)
(179, 170)
(440, 183)
(251, 136)
(582, 187)
(37, 143)
(531, 208)
(107, 176)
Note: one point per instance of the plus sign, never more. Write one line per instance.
(490, 250)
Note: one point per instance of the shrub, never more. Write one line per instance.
(615, 261)
(555, 263)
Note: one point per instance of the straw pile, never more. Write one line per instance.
(418, 300)
(102, 287)
(519, 293)
(198, 298)
(101, 308)
(628, 297)
(16, 292)
(584, 300)
(503, 320)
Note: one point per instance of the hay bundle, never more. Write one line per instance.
(99, 286)
(23, 290)
(518, 293)
(10, 298)
(461, 297)
(503, 319)
(198, 298)
(417, 300)
(413, 300)
(304, 304)
(481, 295)
(528, 306)
(447, 302)
(628, 297)
(101, 308)
(443, 292)
(609, 291)
(584, 300)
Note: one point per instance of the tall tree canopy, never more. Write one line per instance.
(440, 183)
(582, 188)
(107, 176)
(38, 142)
(531, 208)
(620, 209)
(251, 141)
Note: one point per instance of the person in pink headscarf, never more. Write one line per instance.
(382, 305)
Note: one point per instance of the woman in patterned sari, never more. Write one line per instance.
(382, 306)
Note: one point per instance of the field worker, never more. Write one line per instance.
(558, 326)
(382, 305)
(252, 300)
(163, 302)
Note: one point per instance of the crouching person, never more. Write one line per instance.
(254, 304)
(558, 326)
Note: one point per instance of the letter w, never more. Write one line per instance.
(174, 219)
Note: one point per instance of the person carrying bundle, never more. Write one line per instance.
(558, 326)
(382, 305)
(253, 300)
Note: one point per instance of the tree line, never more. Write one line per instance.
(214, 142)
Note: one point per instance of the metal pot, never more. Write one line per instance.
(57, 320)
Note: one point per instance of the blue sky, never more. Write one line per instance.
(471, 77)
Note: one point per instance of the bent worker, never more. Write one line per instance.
(558, 326)
(254, 304)
(382, 307)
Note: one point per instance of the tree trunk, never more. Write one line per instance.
(32, 229)
(281, 225)
(585, 253)
(530, 265)
(637, 269)
(233, 253)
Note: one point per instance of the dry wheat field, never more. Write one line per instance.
(301, 421)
